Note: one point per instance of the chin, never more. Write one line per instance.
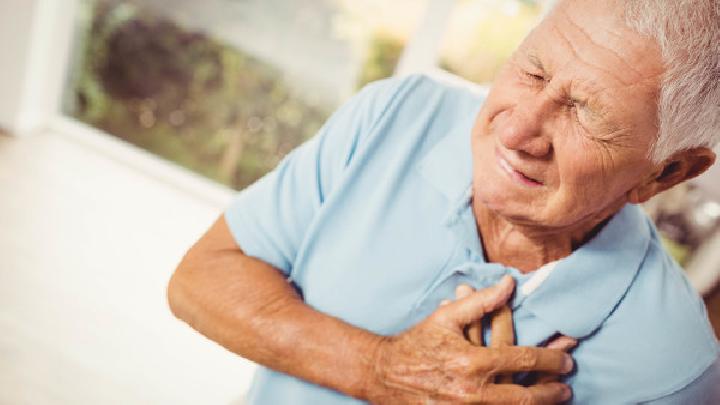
(505, 204)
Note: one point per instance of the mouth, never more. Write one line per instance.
(515, 174)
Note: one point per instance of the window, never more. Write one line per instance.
(227, 87)
(482, 34)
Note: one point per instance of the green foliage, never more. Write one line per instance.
(681, 253)
(383, 55)
(186, 96)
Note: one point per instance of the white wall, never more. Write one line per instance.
(34, 43)
(15, 26)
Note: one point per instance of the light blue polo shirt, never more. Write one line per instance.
(371, 221)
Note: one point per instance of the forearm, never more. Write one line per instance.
(248, 307)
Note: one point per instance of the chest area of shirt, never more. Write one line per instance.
(370, 259)
(385, 262)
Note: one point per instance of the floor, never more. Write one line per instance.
(87, 245)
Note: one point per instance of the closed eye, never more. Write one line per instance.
(535, 76)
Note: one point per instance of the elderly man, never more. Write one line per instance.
(331, 271)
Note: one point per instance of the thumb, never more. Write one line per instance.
(479, 303)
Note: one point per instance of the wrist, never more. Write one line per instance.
(371, 377)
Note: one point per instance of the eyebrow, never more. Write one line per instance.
(598, 110)
(535, 61)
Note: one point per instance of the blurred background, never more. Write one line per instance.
(127, 125)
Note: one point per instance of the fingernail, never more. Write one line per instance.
(463, 291)
(569, 364)
(503, 285)
(461, 288)
(566, 394)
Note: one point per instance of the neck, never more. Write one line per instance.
(528, 248)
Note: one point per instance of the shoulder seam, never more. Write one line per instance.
(404, 86)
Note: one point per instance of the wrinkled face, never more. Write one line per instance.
(567, 127)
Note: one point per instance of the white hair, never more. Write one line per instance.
(688, 33)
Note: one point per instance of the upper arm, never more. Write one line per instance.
(216, 242)
(270, 218)
(217, 238)
(704, 390)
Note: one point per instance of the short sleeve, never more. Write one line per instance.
(704, 390)
(269, 219)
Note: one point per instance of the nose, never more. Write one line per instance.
(522, 129)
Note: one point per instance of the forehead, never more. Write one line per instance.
(591, 36)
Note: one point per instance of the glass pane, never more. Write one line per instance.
(227, 87)
(482, 34)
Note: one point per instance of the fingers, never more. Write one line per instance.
(478, 303)
(550, 393)
(523, 358)
(502, 331)
(544, 378)
(502, 334)
(562, 342)
(541, 394)
(474, 330)
(463, 291)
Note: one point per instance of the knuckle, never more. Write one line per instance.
(465, 363)
(525, 358)
(490, 361)
(478, 396)
(474, 399)
(460, 390)
(526, 398)
(439, 316)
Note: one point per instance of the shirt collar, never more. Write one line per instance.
(583, 288)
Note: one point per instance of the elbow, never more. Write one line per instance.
(176, 292)
(190, 286)
(172, 295)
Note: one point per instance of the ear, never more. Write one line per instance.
(681, 166)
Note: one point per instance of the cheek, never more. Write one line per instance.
(592, 176)
(583, 170)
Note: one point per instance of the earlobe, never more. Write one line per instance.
(647, 189)
(633, 196)
(642, 193)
